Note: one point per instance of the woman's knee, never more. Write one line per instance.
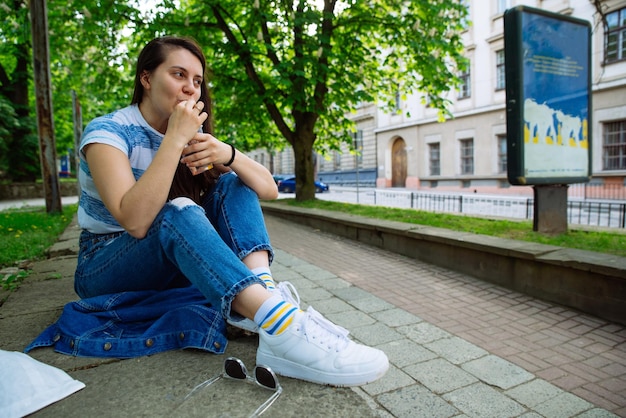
(182, 208)
(230, 182)
(181, 203)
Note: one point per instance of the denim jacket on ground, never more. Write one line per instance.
(133, 324)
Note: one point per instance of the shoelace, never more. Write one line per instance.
(318, 328)
(289, 293)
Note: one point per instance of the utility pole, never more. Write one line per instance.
(43, 100)
(77, 114)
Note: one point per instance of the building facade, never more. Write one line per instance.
(468, 153)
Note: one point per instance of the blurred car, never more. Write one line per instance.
(289, 186)
(279, 177)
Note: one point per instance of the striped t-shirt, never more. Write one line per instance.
(128, 131)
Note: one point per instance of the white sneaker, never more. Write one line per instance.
(314, 349)
(289, 294)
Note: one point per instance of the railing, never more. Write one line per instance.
(592, 213)
(607, 214)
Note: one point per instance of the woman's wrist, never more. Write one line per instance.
(232, 157)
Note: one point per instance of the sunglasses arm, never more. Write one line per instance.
(268, 402)
(204, 384)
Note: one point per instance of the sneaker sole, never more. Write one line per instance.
(298, 371)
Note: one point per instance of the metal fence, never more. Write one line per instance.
(609, 214)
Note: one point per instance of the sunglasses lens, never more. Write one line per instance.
(235, 368)
(265, 377)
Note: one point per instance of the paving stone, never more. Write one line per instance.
(405, 352)
(416, 402)
(333, 283)
(563, 406)
(332, 305)
(394, 379)
(396, 317)
(311, 295)
(534, 392)
(497, 371)
(440, 376)
(423, 333)
(596, 413)
(456, 350)
(481, 400)
(351, 294)
(371, 304)
(433, 373)
(351, 319)
(376, 334)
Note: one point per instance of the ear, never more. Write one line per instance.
(145, 79)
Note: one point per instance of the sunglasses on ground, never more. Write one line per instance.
(262, 376)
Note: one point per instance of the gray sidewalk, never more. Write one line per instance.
(455, 344)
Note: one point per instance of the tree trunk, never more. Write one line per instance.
(303, 139)
(303, 153)
(23, 149)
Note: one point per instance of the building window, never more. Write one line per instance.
(434, 159)
(466, 21)
(358, 147)
(502, 5)
(614, 146)
(467, 156)
(500, 74)
(398, 102)
(502, 158)
(465, 89)
(615, 40)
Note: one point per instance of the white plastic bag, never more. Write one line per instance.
(27, 385)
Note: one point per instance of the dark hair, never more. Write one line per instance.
(150, 57)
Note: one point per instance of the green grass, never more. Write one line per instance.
(26, 234)
(599, 241)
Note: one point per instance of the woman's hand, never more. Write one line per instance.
(185, 122)
(204, 150)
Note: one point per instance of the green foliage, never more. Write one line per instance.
(20, 161)
(281, 73)
(89, 55)
(599, 241)
(23, 154)
(12, 281)
(26, 234)
(8, 122)
(292, 71)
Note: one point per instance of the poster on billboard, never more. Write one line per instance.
(548, 96)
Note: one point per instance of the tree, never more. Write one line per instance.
(87, 55)
(18, 139)
(295, 69)
(281, 72)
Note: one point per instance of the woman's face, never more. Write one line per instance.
(177, 79)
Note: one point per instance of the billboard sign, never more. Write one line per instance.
(548, 96)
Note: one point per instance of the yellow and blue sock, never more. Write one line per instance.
(275, 315)
(265, 274)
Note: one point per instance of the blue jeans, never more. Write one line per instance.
(186, 243)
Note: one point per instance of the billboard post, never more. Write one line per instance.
(548, 105)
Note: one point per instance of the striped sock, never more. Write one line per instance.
(265, 274)
(275, 315)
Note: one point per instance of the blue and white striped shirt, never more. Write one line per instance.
(126, 130)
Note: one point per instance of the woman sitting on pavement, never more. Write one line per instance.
(165, 203)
